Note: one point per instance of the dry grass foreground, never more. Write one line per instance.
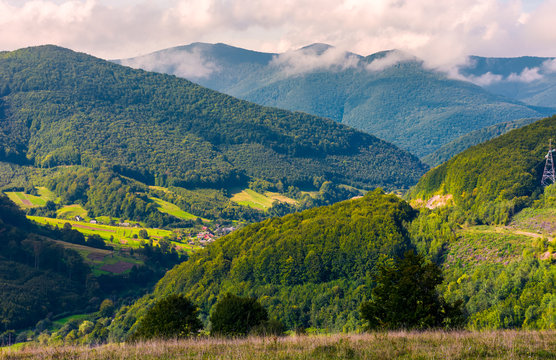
(392, 345)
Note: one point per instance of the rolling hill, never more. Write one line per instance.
(388, 94)
(495, 179)
(59, 108)
(308, 269)
(475, 137)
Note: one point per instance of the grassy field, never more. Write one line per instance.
(174, 210)
(387, 345)
(71, 211)
(117, 236)
(104, 262)
(258, 201)
(27, 201)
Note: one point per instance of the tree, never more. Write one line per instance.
(106, 308)
(405, 297)
(236, 316)
(172, 317)
(143, 234)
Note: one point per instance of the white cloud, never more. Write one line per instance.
(390, 59)
(483, 80)
(442, 33)
(527, 75)
(187, 64)
(549, 66)
(312, 58)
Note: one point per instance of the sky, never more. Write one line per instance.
(443, 33)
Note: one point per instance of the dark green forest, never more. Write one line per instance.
(59, 107)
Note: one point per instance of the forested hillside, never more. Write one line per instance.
(37, 276)
(388, 94)
(493, 180)
(309, 269)
(447, 151)
(59, 107)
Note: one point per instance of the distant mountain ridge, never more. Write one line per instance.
(388, 94)
(529, 79)
(59, 107)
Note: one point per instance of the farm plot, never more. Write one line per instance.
(259, 201)
(27, 201)
(171, 209)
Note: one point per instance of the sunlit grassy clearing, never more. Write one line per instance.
(71, 211)
(120, 235)
(258, 201)
(27, 201)
(382, 345)
(174, 210)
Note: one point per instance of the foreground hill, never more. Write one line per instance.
(310, 269)
(388, 94)
(59, 107)
(495, 179)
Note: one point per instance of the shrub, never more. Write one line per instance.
(172, 317)
(236, 316)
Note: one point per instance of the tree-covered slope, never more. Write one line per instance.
(388, 94)
(308, 269)
(496, 178)
(473, 138)
(60, 107)
(37, 277)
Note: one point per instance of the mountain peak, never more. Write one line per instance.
(318, 48)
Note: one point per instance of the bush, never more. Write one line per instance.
(172, 317)
(236, 316)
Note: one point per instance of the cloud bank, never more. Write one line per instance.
(442, 33)
(313, 58)
(187, 64)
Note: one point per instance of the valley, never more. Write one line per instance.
(116, 200)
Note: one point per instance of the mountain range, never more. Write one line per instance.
(389, 94)
(59, 107)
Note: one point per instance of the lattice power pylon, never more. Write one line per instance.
(548, 176)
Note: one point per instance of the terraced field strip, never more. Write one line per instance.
(102, 261)
(171, 209)
(259, 201)
(114, 235)
(122, 237)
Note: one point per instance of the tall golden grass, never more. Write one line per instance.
(379, 345)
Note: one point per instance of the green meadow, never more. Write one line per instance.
(27, 201)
